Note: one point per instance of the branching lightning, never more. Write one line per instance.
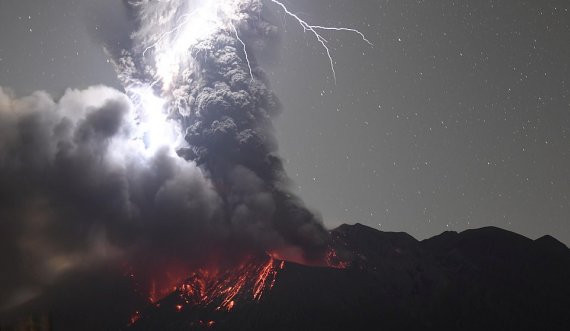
(182, 21)
(314, 30)
(170, 48)
(173, 41)
(210, 16)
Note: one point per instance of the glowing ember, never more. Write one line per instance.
(334, 261)
(135, 317)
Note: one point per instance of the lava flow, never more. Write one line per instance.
(222, 291)
(248, 281)
(251, 280)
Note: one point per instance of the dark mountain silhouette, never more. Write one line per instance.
(480, 279)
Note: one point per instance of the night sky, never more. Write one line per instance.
(457, 118)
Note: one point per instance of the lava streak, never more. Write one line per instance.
(249, 281)
(266, 278)
(220, 291)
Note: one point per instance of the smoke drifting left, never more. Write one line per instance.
(77, 197)
(90, 217)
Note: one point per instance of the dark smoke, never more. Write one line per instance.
(231, 135)
(227, 116)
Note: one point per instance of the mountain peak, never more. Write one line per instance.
(549, 241)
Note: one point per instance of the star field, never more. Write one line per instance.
(458, 117)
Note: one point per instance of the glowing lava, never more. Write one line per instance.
(223, 291)
(135, 317)
(249, 281)
(332, 260)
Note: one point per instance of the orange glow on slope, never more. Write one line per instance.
(224, 290)
(162, 284)
(329, 259)
(265, 280)
(334, 261)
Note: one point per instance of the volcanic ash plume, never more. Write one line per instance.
(183, 170)
(197, 56)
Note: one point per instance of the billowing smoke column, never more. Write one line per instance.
(230, 133)
(100, 186)
(199, 62)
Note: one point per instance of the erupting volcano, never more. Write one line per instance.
(214, 95)
(166, 206)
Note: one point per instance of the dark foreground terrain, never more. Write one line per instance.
(484, 279)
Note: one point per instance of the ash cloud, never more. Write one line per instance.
(76, 195)
(226, 114)
(231, 135)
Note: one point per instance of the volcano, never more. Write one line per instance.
(485, 278)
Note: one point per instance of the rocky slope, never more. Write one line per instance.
(486, 278)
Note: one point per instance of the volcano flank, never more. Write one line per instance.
(486, 278)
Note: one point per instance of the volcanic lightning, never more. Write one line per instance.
(244, 50)
(210, 16)
(313, 29)
(194, 22)
(203, 20)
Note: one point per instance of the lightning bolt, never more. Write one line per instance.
(244, 50)
(171, 46)
(181, 22)
(314, 29)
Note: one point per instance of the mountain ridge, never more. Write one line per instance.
(481, 278)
